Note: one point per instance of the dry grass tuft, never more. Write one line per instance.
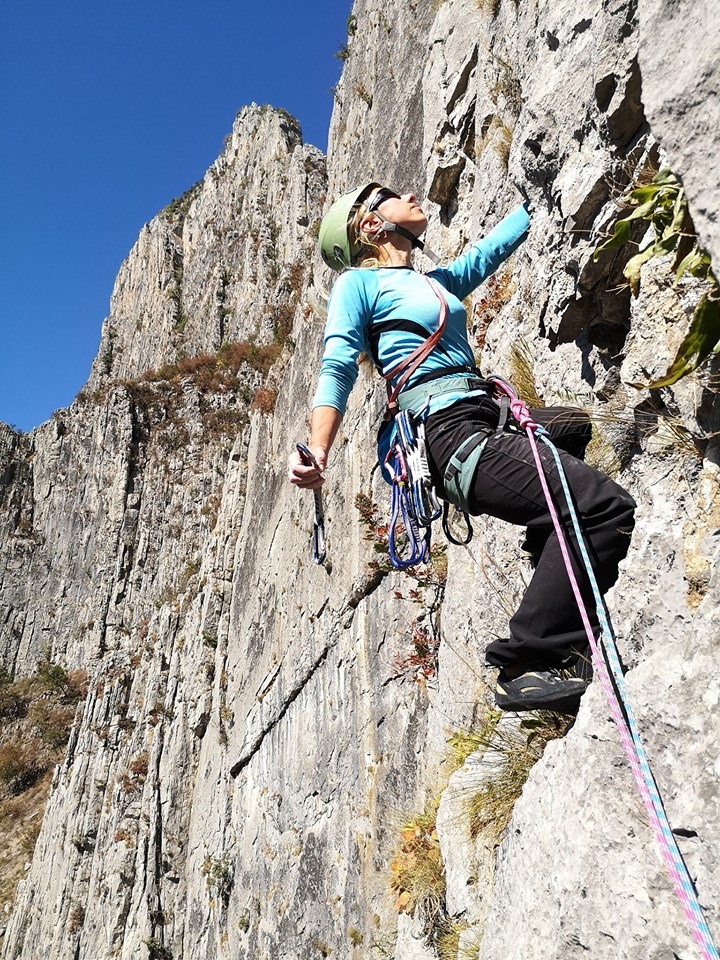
(522, 374)
(602, 453)
(418, 875)
(518, 749)
(463, 743)
(491, 7)
(417, 870)
(448, 946)
(651, 422)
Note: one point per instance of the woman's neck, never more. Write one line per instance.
(394, 254)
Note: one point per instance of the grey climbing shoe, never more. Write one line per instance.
(552, 689)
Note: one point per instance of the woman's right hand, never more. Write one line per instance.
(304, 475)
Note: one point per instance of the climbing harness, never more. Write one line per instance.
(607, 667)
(414, 500)
(318, 538)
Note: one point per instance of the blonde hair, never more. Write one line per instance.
(366, 255)
(369, 251)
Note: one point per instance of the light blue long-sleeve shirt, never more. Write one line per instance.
(386, 312)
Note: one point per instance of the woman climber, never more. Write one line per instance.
(381, 307)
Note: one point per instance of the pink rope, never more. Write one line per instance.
(643, 778)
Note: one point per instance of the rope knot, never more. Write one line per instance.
(522, 414)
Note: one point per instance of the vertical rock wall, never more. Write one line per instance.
(254, 731)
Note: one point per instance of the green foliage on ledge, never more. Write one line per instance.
(662, 204)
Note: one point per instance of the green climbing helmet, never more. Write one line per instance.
(335, 245)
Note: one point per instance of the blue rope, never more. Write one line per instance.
(608, 647)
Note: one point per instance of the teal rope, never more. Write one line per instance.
(606, 645)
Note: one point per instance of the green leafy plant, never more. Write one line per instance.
(220, 875)
(702, 339)
(662, 203)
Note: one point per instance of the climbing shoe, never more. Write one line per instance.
(552, 689)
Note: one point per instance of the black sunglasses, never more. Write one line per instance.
(381, 196)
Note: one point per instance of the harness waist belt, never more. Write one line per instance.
(415, 398)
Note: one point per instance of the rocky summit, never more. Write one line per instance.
(211, 747)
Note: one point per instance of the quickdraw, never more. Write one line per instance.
(318, 539)
(411, 439)
(414, 502)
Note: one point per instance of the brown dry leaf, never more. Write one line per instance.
(402, 901)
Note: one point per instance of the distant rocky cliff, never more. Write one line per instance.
(260, 733)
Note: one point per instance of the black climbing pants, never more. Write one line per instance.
(546, 629)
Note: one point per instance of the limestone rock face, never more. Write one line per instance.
(258, 728)
(192, 280)
(378, 120)
(681, 99)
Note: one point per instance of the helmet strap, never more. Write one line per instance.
(388, 227)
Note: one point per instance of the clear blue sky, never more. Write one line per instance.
(107, 112)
